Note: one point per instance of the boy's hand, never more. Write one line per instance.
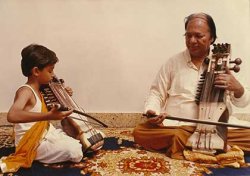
(55, 114)
(69, 91)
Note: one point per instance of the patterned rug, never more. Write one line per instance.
(119, 156)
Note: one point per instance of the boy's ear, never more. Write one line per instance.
(35, 71)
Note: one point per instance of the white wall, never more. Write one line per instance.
(111, 50)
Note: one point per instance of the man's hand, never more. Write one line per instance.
(227, 81)
(155, 119)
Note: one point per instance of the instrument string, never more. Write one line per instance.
(67, 101)
(211, 96)
(95, 136)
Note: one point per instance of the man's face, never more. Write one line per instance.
(198, 38)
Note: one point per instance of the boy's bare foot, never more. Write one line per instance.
(97, 146)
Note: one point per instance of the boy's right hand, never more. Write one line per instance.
(56, 114)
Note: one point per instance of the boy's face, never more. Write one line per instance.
(46, 74)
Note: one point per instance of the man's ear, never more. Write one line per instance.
(211, 40)
(35, 71)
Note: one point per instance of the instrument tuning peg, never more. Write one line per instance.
(206, 61)
(237, 61)
(61, 81)
(236, 68)
(54, 79)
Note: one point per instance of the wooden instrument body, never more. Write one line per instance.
(86, 134)
(76, 125)
(211, 139)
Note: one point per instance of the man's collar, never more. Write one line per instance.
(188, 56)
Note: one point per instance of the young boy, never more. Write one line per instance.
(35, 137)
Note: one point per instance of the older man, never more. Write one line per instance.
(174, 89)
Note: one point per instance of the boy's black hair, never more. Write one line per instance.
(36, 55)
